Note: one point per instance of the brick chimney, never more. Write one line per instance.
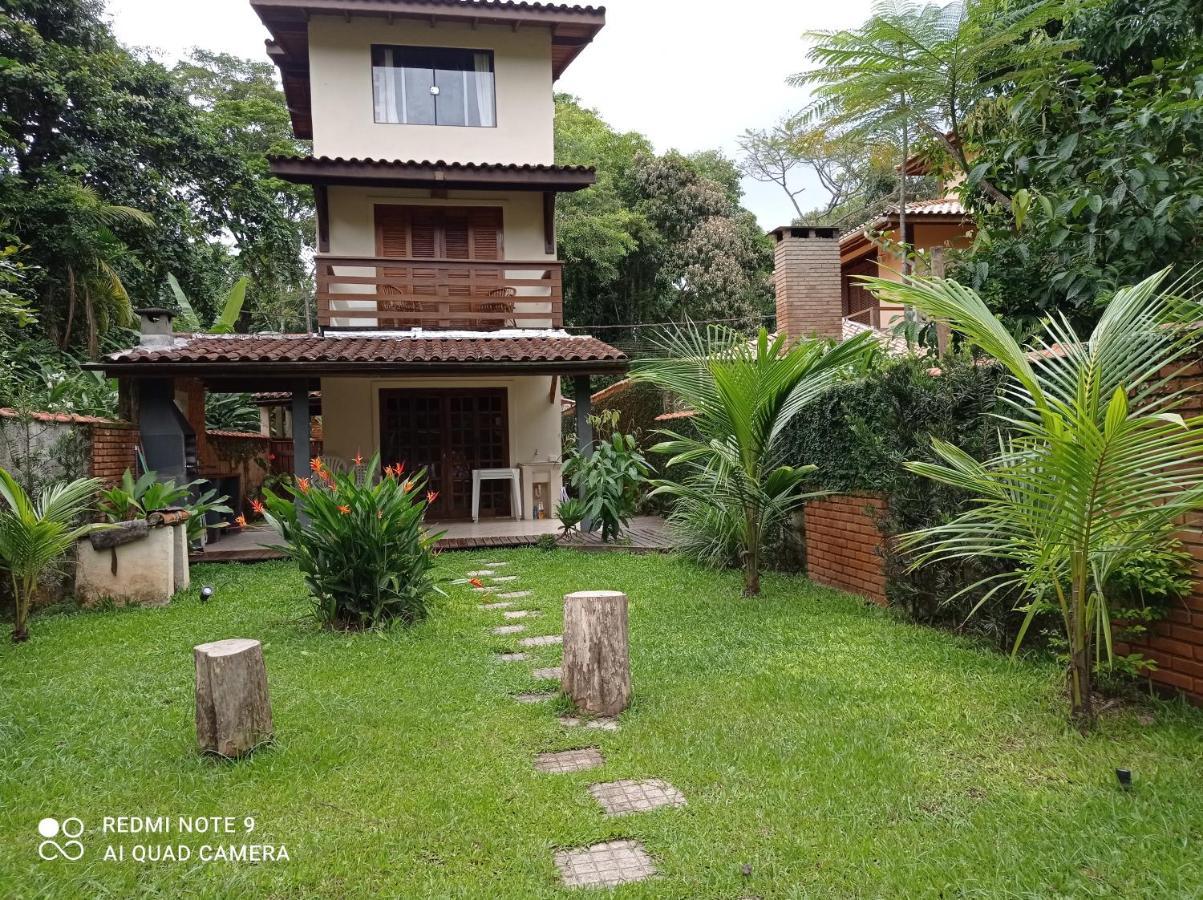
(806, 275)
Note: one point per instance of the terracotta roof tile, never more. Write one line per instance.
(61, 418)
(374, 348)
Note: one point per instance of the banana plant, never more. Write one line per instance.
(231, 307)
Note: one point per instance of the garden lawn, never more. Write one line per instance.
(831, 749)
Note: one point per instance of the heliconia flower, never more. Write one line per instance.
(345, 510)
(359, 459)
(407, 487)
(303, 484)
(399, 468)
(258, 507)
(391, 472)
(476, 582)
(240, 521)
(431, 496)
(271, 457)
(315, 464)
(326, 475)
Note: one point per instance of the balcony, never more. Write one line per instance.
(369, 292)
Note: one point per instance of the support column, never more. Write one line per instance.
(584, 431)
(300, 430)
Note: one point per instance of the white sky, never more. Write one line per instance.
(690, 74)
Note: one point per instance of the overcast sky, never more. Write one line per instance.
(690, 74)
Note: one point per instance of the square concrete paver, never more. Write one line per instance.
(555, 672)
(569, 761)
(501, 579)
(618, 798)
(533, 698)
(509, 629)
(601, 723)
(495, 605)
(605, 865)
(479, 573)
(511, 657)
(520, 613)
(514, 595)
(543, 640)
(496, 565)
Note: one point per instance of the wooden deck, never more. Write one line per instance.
(647, 534)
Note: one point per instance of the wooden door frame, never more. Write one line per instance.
(446, 392)
(379, 236)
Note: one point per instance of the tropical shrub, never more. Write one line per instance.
(571, 513)
(608, 479)
(135, 498)
(359, 540)
(33, 534)
(743, 394)
(1100, 465)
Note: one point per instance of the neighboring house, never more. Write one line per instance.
(864, 250)
(439, 295)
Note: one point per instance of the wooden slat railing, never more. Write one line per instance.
(382, 292)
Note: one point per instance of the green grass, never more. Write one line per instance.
(831, 748)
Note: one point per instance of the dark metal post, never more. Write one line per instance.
(300, 430)
(584, 430)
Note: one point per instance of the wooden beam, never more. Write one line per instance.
(321, 202)
(555, 383)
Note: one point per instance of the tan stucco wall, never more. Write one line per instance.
(927, 235)
(353, 227)
(351, 414)
(340, 74)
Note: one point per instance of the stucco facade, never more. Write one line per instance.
(351, 414)
(340, 73)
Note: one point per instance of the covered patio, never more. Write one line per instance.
(456, 404)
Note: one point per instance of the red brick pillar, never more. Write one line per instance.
(806, 276)
(843, 544)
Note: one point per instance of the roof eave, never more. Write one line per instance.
(384, 173)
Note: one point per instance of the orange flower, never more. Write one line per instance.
(390, 471)
(359, 459)
(345, 510)
(303, 484)
(399, 468)
(407, 487)
(315, 464)
(240, 521)
(258, 507)
(476, 582)
(326, 476)
(431, 496)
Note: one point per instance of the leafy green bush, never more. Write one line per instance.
(609, 480)
(571, 513)
(359, 541)
(135, 498)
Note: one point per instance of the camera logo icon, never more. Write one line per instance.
(70, 849)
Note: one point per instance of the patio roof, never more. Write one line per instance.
(572, 29)
(275, 361)
(427, 173)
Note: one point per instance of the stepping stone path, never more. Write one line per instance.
(568, 761)
(479, 573)
(533, 698)
(489, 589)
(511, 657)
(602, 723)
(514, 595)
(503, 578)
(605, 865)
(544, 640)
(555, 673)
(618, 798)
(495, 605)
(509, 629)
(520, 613)
(496, 565)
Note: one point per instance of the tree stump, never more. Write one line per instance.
(233, 710)
(597, 664)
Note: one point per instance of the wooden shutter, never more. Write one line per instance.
(484, 224)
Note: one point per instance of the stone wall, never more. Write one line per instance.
(842, 544)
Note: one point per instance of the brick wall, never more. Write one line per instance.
(842, 540)
(114, 448)
(806, 276)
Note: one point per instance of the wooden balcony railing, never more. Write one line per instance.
(383, 292)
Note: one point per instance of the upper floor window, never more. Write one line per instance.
(433, 86)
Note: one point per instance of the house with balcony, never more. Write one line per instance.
(440, 339)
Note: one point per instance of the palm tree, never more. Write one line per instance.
(926, 68)
(33, 535)
(1098, 465)
(743, 394)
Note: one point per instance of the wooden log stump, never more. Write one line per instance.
(233, 710)
(597, 664)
